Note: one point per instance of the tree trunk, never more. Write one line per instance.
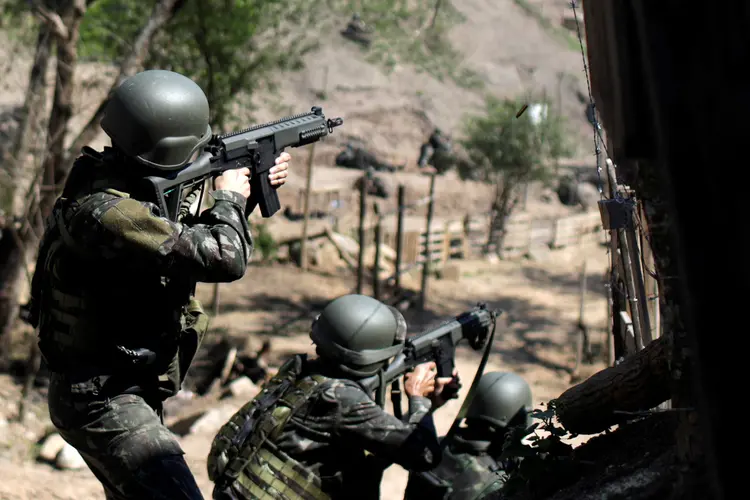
(639, 383)
(671, 284)
(435, 12)
(11, 257)
(29, 139)
(501, 208)
(26, 143)
(55, 167)
(162, 13)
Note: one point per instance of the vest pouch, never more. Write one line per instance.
(195, 322)
(272, 474)
(196, 326)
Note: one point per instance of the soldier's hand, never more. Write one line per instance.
(277, 175)
(446, 388)
(421, 381)
(234, 180)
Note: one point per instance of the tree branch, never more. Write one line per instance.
(163, 12)
(53, 21)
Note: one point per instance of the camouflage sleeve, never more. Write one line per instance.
(215, 247)
(419, 407)
(362, 422)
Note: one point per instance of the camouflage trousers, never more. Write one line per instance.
(124, 443)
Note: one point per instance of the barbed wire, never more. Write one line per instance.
(599, 142)
(599, 145)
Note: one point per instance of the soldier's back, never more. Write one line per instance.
(461, 475)
(311, 437)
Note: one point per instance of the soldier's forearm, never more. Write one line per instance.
(419, 406)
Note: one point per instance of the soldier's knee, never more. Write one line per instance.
(169, 477)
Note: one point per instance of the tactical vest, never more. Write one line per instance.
(64, 306)
(245, 463)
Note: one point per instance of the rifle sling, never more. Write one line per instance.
(472, 390)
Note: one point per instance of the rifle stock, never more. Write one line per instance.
(438, 345)
(255, 148)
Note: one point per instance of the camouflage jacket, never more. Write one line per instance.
(347, 440)
(468, 471)
(114, 277)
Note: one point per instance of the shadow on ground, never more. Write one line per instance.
(569, 282)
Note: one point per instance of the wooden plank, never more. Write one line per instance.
(411, 247)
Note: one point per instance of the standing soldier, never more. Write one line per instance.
(437, 144)
(112, 291)
(471, 468)
(313, 432)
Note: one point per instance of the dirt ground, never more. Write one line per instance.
(540, 299)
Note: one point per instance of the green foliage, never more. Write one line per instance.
(18, 22)
(402, 35)
(109, 28)
(536, 460)
(503, 149)
(231, 49)
(265, 243)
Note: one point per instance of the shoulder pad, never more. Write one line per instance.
(115, 192)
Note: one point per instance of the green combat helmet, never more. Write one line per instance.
(501, 399)
(360, 333)
(159, 118)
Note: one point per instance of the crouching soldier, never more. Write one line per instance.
(313, 432)
(471, 468)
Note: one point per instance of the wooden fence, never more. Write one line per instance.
(467, 237)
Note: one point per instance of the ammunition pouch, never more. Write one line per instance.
(244, 461)
(195, 322)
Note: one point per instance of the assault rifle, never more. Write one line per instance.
(256, 148)
(438, 345)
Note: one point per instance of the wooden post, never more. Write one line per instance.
(306, 219)
(427, 250)
(650, 283)
(630, 283)
(466, 240)
(215, 300)
(625, 264)
(400, 234)
(376, 264)
(446, 242)
(639, 285)
(611, 322)
(362, 243)
(582, 337)
(657, 310)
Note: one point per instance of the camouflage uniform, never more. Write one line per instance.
(118, 326)
(339, 434)
(468, 471)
